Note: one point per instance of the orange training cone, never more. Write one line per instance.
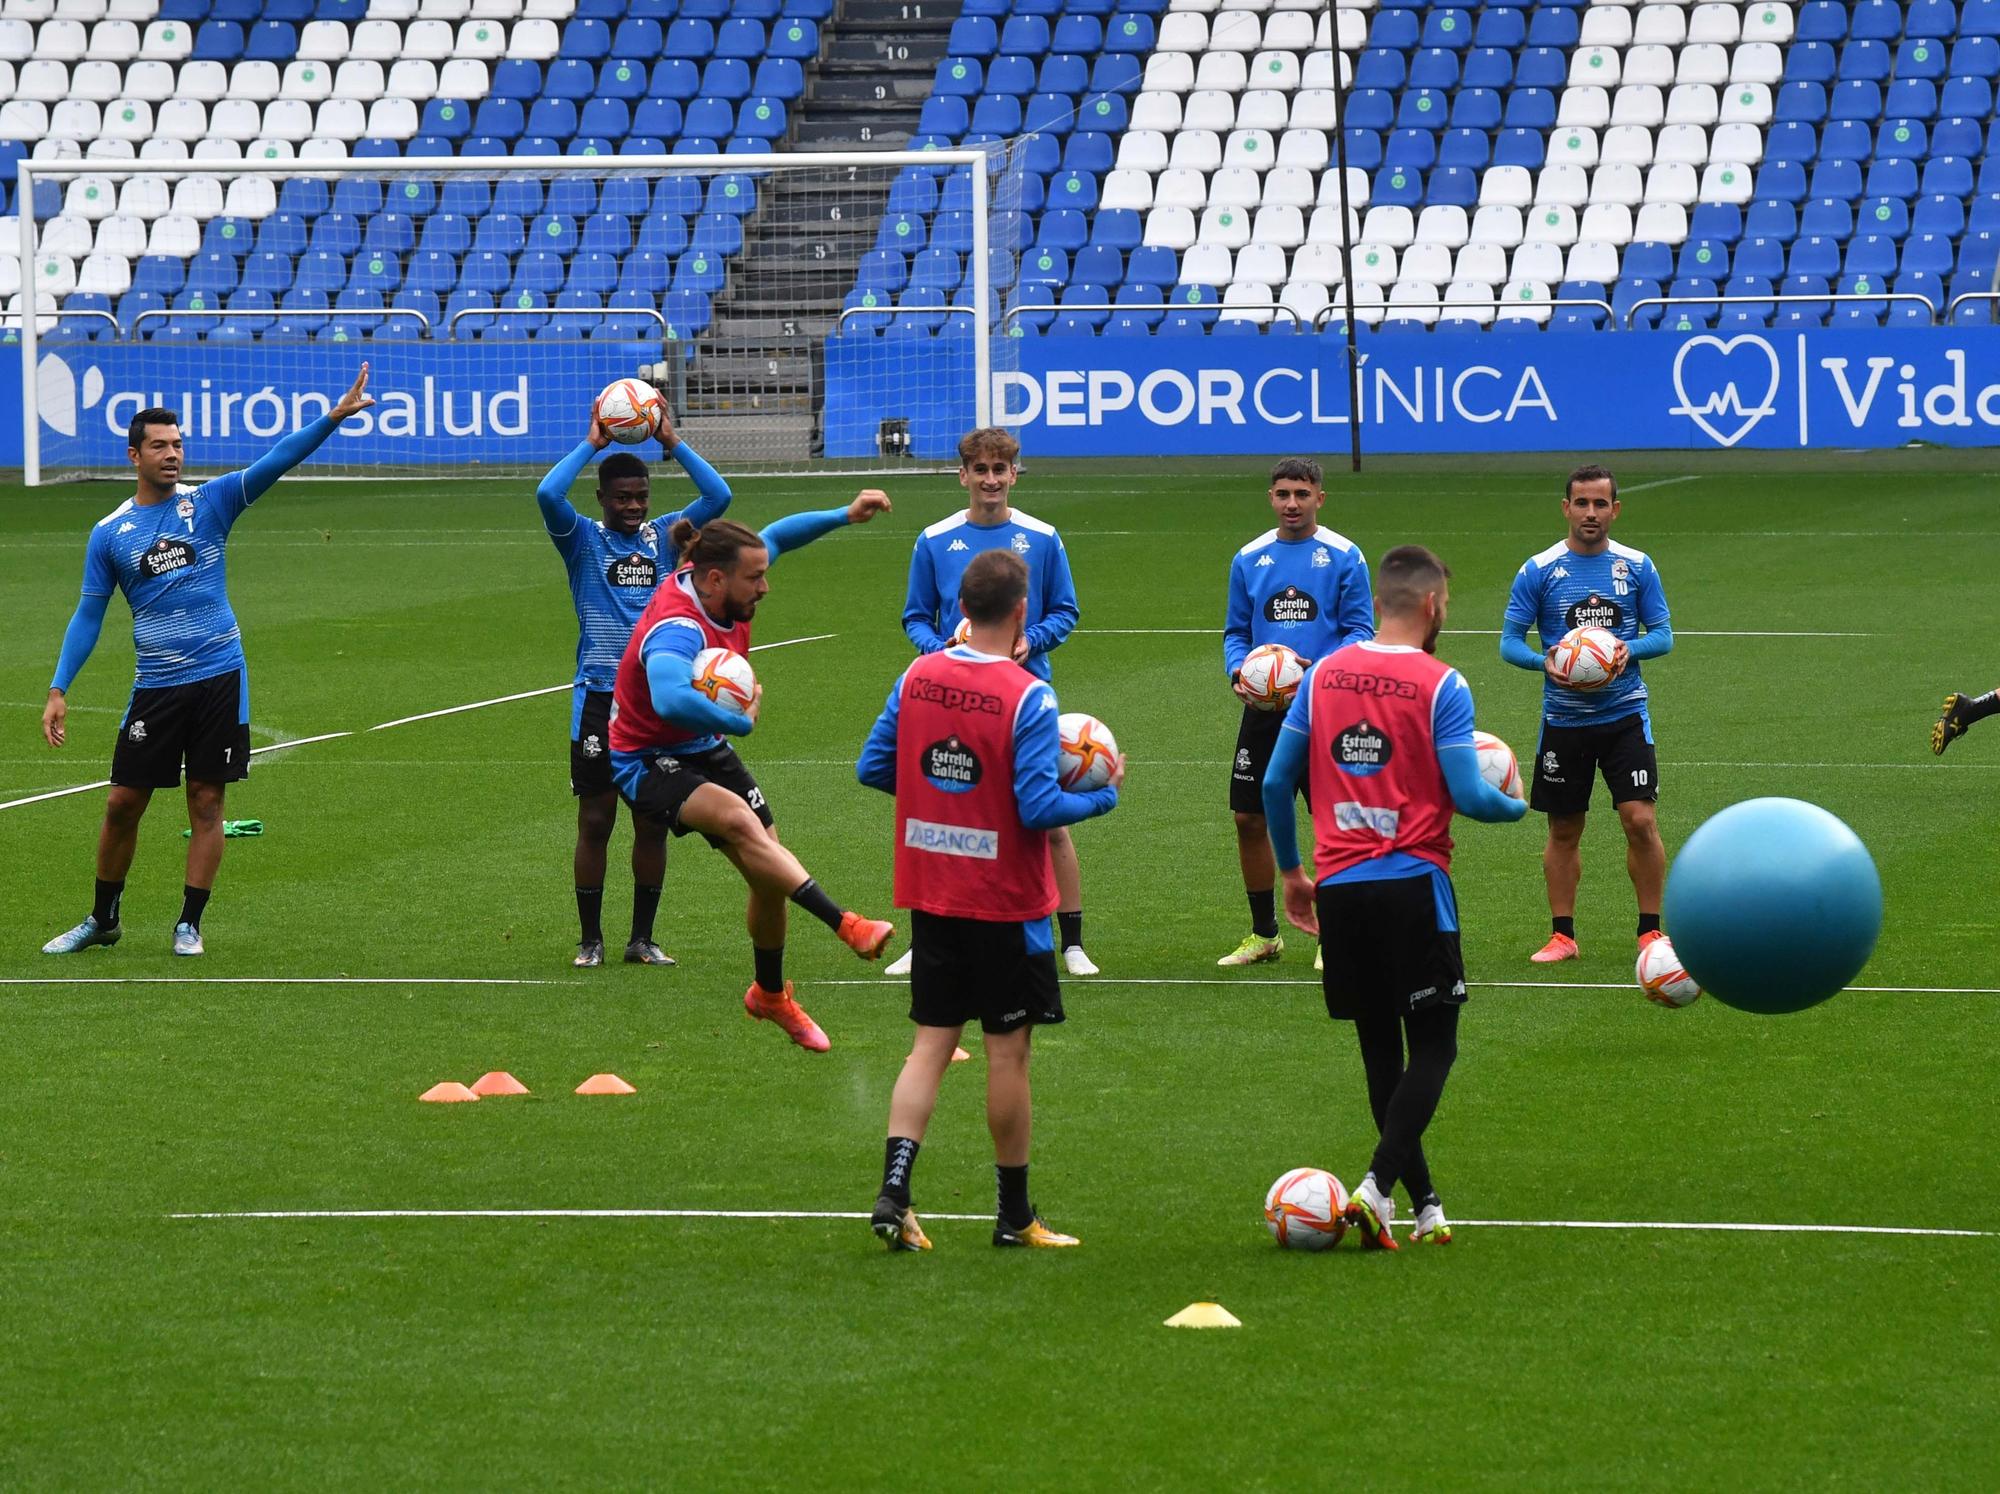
(605, 1084)
(959, 1055)
(499, 1082)
(448, 1093)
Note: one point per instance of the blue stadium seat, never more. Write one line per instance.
(1044, 267)
(1938, 215)
(1553, 28)
(1152, 264)
(1767, 219)
(1504, 28)
(1904, 139)
(1898, 178)
(1115, 72)
(1380, 68)
(377, 270)
(1803, 102)
(516, 78)
(1809, 62)
(1836, 179)
(605, 119)
(1465, 147)
(1884, 215)
(218, 41)
(1704, 258)
(1870, 254)
(1649, 260)
(1760, 256)
(1476, 109)
(394, 233)
(1393, 30)
(1529, 109)
(1881, 20)
(446, 233)
(1488, 67)
(1949, 176)
(1791, 140)
(431, 270)
(1781, 181)
(1911, 98)
(585, 39)
(1011, 75)
(320, 270)
(1814, 255)
(1822, 20)
(1520, 147)
(1130, 33)
(1411, 148)
(796, 38)
(1447, 28)
(1541, 67)
(1399, 187)
(271, 41)
(691, 40)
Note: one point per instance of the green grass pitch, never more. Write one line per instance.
(147, 1350)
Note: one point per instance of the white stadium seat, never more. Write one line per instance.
(1639, 104)
(181, 119)
(1170, 227)
(377, 41)
(1354, 187)
(1498, 223)
(1619, 185)
(1587, 105)
(1609, 221)
(1154, 109)
(129, 119)
(1746, 103)
(360, 78)
(1757, 62)
(1485, 263)
(430, 40)
(1660, 26)
(482, 40)
(1693, 103)
(1233, 186)
(323, 41)
(1288, 186)
(1660, 223)
(288, 119)
(65, 234)
(1283, 226)
(1393, 226)
(392, 119)
(1229, 71)
(1209, 109)
(1430, 262)
(1198, 150)
(1317, 262)
(251, 197)
(105, 274)
(121, 234)
(1127, 189)
(1598, 65)
(1445, 224)
(340, 119)
(76, 119)
(463, 78)
(1324, 225)
(1290, 32)
(1142, 150)
(1717, 23)
(235, 119)
(1700, 63)
(1592, 259)
(1170, 72)
(198, 197)
(536, 41)
(64, 41)
(1180, 187)
(1207, 264)
(256, 81)
(1303, 150)
(310, 81)
(1722, 181)
(1263, 109)
(175, 235)
(1228, 227)
(1278, 70)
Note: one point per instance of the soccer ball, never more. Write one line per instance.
(1583, 658)
(962, 633)
(1271, 673)
(725, 677)
(1497, 764)
(1661, 976)
(1085, 753)
(1306, 1209)
(630, 410)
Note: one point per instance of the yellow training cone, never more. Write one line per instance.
(1204, 1315)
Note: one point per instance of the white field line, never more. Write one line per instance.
(1658, 482)
(816, 1214)
(1495, 985)
(273, 980)
(331, 736)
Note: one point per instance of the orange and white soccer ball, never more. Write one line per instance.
(725, 677)
(1497, 764)
(630, 411)
(1585, 658)
(1086, 752)
(962, 633)
(1662, 977)
(1271, 673)
(1306, 1209)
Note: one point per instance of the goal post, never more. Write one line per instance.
(804, 312)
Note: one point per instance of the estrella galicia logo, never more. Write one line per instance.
(1290, 606)
(634, 570)
(1362, 750)
(1718, 376)
(1594, 611)
(167, 555)
(951, 766)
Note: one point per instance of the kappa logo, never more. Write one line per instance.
(957, 545)
(1560, 573)
(1265, 560)
(127, 527)
(136, 731)
(1320, 557)
(1718, 376)
(592, 747)
(1020, 543)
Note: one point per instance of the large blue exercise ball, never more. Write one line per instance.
(1773, 905)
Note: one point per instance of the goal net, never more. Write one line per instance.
(803, 312)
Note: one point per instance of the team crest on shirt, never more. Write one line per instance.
(1320, 557)
(167, 555)
(1362, 750)
(951, 766)
(1020, 543)
(1290, 606)
(1594, 611)
(185, 508)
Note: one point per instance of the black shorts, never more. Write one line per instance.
(590, 748)
(1256, 740)
(1621, 750)
(1000, 975)
(203, 724)
(1384, 948)
(669, 780)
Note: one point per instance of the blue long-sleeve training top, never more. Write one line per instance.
(1618, 590)
(937, 569)
(1311, 594)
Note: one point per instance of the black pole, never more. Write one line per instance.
(1346, 236)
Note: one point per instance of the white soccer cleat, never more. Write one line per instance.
(187, 939)
(1432, 1227)
(1076, 962)
(901, 964)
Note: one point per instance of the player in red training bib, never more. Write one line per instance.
(968, 745)
(671, 763)
(1382, 733)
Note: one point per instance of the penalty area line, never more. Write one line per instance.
(1697, 1226)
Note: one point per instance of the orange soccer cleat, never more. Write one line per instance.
(788, 1014)
(867, 937)
(1560, 947)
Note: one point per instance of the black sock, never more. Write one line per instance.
(770, 968)
(109, 896)
(1649, 923)
(1430, 1200)
(1978, 707)
(645, 903)
(1565, 926)
(1015, 1210)
(808, 895)
(590, 913)
(1071, 925)
(193, 900)
(899, 1160)
(1264, 914)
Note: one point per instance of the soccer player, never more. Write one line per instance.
(614, 565)
(163, 547)
(670, 761)
(1959, 712)
(988, 468)
(967, 744)
(1304, 586)
(1381, 733)
(1590, 580)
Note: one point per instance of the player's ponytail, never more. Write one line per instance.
(714, 546)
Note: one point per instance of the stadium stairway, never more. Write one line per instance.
(759, 363)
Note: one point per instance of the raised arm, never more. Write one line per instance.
(712, 489)
(1059, 610)
(1043, 802)
(559, 515)
(876, 766)
(668, 653)
(302, 443)
(796, 530)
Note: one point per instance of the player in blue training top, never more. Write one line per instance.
(988, 468)
(163, 547)
(1306, 587)
(1590, 580)
(614, 564)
